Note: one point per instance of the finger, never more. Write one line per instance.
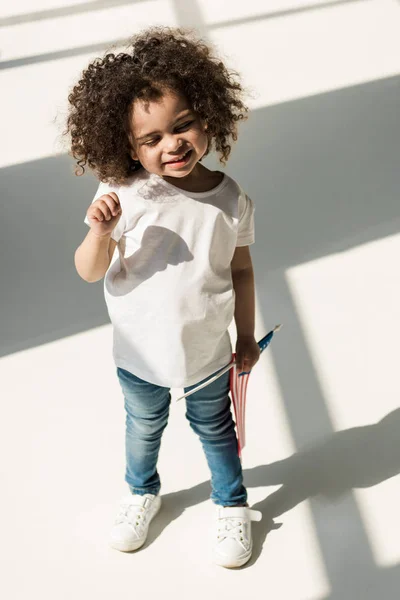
(113, 204)
(239, 363)
(114, 196)
(95, 213)
(105, 209)
(247, 365)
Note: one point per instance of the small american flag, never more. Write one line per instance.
(238, 388)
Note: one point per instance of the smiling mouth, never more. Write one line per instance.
(180, 158)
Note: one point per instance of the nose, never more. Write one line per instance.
(172, 143)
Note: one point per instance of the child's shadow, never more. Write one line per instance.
(353, 458)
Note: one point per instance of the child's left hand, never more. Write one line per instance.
(247, 353)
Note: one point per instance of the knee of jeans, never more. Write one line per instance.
(144, 430)
(146, 427)
(216, 429)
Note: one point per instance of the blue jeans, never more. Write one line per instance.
(208, 412)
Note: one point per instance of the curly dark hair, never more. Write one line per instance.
(160, 59)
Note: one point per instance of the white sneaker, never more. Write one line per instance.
(234, 543)
(132, 523)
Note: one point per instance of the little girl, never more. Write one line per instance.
(172, 239)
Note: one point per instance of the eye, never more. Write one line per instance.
(184, 126)
(151, 142)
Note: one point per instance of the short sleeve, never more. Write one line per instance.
(245, 235)
(106, 188)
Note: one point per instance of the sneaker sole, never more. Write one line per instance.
(125, 547)
(229, 564)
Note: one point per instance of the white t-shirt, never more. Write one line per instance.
(168, 288)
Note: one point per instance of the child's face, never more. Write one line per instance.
(164, 131)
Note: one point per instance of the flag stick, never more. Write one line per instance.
(263, 343)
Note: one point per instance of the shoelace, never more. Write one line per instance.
(231, 528)
(133, 515)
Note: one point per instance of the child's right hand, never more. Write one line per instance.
(104, 214)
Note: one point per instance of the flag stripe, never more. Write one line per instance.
(238, 387)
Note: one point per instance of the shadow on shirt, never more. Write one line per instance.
(159, 248)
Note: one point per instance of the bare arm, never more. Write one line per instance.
(93, 256)
(243, 284)
(247, 349)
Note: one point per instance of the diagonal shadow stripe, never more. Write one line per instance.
(308, 419)
(64, 11)
(38, 58)
(104, 4)
(282, 13)
(188, 15)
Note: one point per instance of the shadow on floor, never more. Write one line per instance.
(328, 470)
